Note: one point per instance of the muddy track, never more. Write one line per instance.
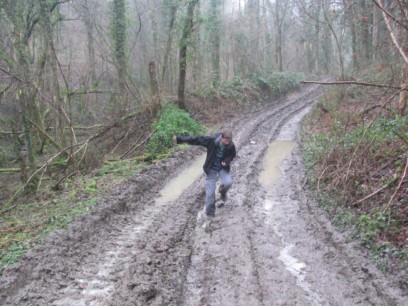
(269, 245)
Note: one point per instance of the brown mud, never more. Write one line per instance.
(148, 243)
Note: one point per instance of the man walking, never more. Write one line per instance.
(220, 153)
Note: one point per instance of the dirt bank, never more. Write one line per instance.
(148, 244)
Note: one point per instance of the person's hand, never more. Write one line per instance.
(174, 139)
(223, 163)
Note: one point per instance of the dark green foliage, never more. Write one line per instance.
(11, 255)
(172, 121)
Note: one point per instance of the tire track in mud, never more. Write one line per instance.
(134, 250)
(85, 264)
(252, 141)
(162, 290)
(262, 257)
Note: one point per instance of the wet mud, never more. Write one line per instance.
(149, 243)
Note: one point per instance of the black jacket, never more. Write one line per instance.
(211, 142)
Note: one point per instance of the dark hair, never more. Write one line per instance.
(227, 134)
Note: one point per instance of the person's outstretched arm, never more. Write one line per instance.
(193, 140)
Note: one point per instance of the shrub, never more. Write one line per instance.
(172, 121)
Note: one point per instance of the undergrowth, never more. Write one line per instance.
(254, 89)
(172, 121)
(356, 161)
(29, 223)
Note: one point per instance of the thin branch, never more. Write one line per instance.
(96, 126)
(137, 145)
(48, 162)
(21, 188)
(10, 170)
(393, 37)
(398, 187)
(372, 194)
(384, 11)
(57, 146)
(85, 92)
(400, 137)
(352, 83)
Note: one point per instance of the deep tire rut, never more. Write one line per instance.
(135, 250)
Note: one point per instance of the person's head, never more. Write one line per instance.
(226, 136)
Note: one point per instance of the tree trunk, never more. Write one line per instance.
(375, 33)
(119, 41)
(197, 57)
(354, 43)
(365, 32)
(90, 41)
(51, 58)
(173, 11)
(402, 102)
(154, 89)
(326, 13)
(187, 30)
(316, 42)
(278, 38)
(399, 37)
(403, 33)
(215, 29)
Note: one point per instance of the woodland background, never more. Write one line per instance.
(84, 85)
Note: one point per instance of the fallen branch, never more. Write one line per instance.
(21, 188)
(85, 92)
(400, 137)
(398, 187)
(351, 83)
(9, 170)
(137, 145)
(48, 162)
(374, 193)
(39, 129)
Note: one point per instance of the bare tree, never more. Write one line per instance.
(119, 35)
(399, 35)
(215, 33)
(351, 17)
(184, 43)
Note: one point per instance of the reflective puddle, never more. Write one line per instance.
(272, 161)
(175, 187)
(271, 178)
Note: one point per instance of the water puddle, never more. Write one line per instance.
(271, 174)
(272, 161)
(175, 187)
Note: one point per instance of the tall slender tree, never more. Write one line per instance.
(171, 8)
(398, 32)
(45, 15)
(215, 38)
(119, 36)
(184, 43)
(351, 17)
